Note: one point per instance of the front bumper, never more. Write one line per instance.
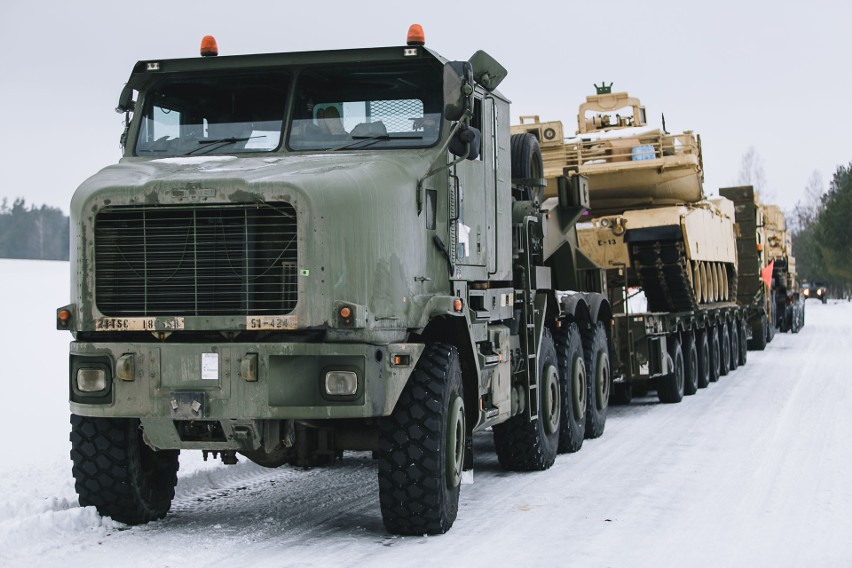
(287, 382)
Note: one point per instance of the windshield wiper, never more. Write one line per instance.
(372, 140)
(211, 145)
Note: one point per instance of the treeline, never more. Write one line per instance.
(33, 232)
(822, 233)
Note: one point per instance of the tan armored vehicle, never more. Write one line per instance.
(779, 243)
(650, 224)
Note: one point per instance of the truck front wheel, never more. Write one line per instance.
(117, 473)
(421, 447)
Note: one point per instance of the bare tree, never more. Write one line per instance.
(753, 174)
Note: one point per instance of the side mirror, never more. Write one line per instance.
(125, 100)
(457, 89)
(486, 71)
(466, 143)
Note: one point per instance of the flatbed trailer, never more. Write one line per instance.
(676, 353)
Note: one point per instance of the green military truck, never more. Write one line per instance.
(305, 253)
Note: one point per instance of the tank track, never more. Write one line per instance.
(666, 277)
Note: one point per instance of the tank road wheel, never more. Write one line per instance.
(421, 447)
(117, 473)
(715, 354)
(758, 334)
(702, 345)
(670, 386)
(724, 349)
(531, 445)
(572, 372)
(690, 359)
(735, 344)
(596, 353)
(743, 341)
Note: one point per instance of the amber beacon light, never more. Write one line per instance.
(209, 47)
(415, 35)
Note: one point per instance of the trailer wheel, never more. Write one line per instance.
(724, 349)
(421, 447)
(759, 333)
(703, 349)
(531, 445)
(690, 359)
(715, 354)
(743, 341)
(670, 386)
(735, 345)
(572, 372)
(596, 353)
(117, 473)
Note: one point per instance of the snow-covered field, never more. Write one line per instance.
(754, 471)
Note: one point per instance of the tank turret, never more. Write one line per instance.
(650, 223)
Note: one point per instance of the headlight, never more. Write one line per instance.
(91, 380)
(341, 383)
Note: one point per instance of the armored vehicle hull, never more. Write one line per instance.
(650, 223)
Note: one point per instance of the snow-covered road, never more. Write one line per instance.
(753, 471)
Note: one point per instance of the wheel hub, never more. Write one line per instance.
(551, 404)
(455, 441)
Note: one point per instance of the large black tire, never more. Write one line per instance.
(670, 386)
(526, 163)
(117, 473)
(596, 354)
(715, 354)
(734, 328)
(572, 372)
(743, 341)
(526, 157)
(759, 333)
(421, 447)
(621, 393)
(690, 360)
(724, 349)
(703, 348)
(530, 445)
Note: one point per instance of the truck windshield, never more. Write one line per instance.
(221, 114)
(373, 106)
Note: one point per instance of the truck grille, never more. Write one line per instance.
(196, 260)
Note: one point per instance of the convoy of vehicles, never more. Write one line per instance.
(651, 228)
(301, 254)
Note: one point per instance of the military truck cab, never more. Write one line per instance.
(304, 253)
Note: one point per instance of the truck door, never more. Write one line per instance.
(473, 189)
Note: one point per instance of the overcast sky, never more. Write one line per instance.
(772, 75)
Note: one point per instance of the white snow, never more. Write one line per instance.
(753, 471)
